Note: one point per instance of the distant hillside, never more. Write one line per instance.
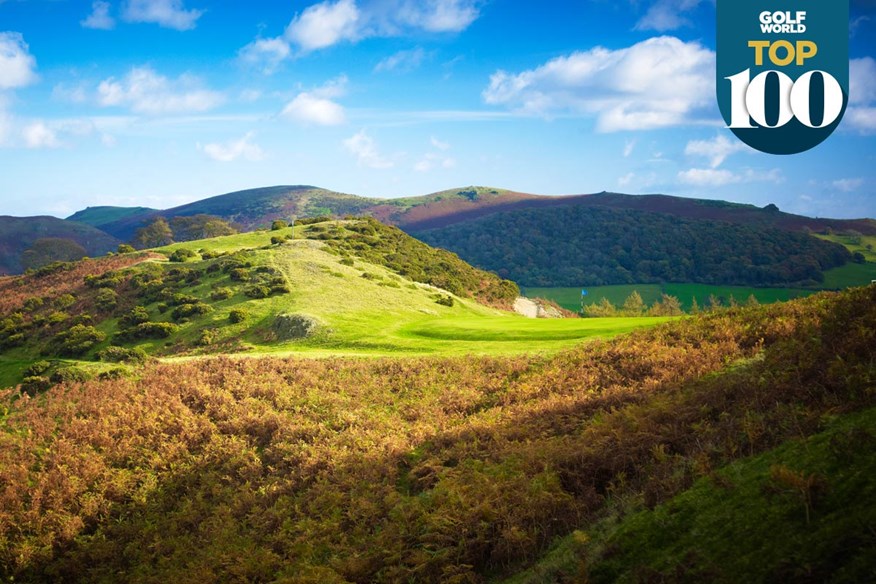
(101, 216)
(255, 208)
(424, 213)
(17, 234)
(576, 245)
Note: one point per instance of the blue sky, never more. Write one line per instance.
(161, 102)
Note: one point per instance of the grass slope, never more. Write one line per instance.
(454, 469)
(801, 512)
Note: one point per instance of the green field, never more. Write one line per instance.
(865, 244)
(849, 275)
(570, 298)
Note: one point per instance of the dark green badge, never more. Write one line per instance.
(783, 71)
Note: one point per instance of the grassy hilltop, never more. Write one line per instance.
(361, 287)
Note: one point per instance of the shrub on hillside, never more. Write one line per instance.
(221, 294)
(135, 316)
(36, 369)
(35, 384)
(32, 304)
(77, 340)
(106, 299)
(122, 355)
(445, 300)
(69, 375)
(182, 255)
(207, 337)
(188, 310)
(148, 330)
(239, 274)
(237, 316)
(258, 291)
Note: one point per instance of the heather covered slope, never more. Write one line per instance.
(439, 470)
(258, 207)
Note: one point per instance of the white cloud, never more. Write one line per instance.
(99, 18)
(848, 185)
(39, 135)
(629, 146)
(166, 13)
(862, 119)
(17, 65)
(329, 23)
(436, 143)
(862, 81)
(308, 108)
(626, 180)
(855, 24)
(710, 177)
(432, 160)
(717, 150)
(235, 149)
(324, 24)
(666, 15)
(657, 83)
(436, 15)
(861, 113)
(402, 62)
(318, 106)
(5, 124)
(147, 92)
(363, 147)
(73, 93)
(265, 54)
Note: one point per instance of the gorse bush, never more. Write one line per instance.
(77, 340)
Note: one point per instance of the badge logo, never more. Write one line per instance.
(783, 71)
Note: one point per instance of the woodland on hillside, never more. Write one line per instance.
(576, 245)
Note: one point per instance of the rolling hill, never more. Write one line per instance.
(17, 234)
(253, 208)
(758, 246)
(354, 287)
(258, 207)
(102, 216)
